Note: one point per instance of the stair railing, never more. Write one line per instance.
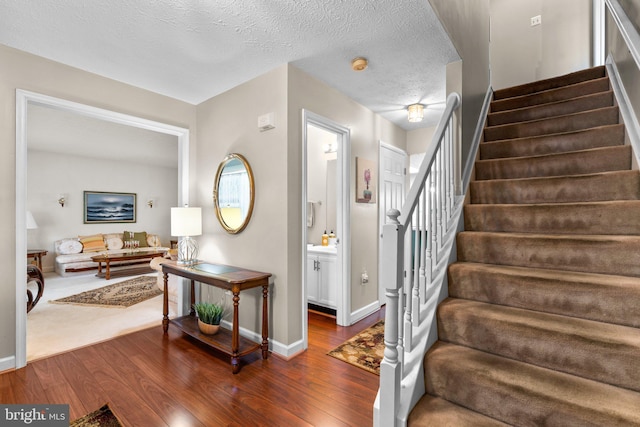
(413, 254)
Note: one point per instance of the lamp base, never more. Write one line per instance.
(187, 251)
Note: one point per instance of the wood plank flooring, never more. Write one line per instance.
(151, 379)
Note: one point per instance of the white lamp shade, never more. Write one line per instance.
(31, 222)
(186, 221)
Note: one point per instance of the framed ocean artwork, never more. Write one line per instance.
(102, 207)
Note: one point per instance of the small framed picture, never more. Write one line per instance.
(103, 207)
(365, 181)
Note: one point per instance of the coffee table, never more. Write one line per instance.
(129, 258)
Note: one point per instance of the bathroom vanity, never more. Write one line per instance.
(322, 276)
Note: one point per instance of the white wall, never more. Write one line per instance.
(50, 174)
(521, 53)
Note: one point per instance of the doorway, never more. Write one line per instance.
(326, 144)
(23, 100)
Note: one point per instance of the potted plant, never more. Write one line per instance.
(209, 317)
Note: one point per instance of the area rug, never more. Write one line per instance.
(102, 417)
(364, 350)
(122, 294)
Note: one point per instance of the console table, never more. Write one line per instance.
(229, 278)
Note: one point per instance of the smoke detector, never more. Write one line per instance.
(359, 64)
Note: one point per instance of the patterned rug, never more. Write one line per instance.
(365, 350)
(122, 294)
(102, 417)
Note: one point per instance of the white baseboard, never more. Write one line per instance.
(364, 312)
(286, 351)
(7, 363)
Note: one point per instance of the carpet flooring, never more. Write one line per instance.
(57, 328)
(122, 294)
(365, 350)
(540, 327)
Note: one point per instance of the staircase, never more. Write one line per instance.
(542, 323)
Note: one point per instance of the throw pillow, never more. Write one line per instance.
(153, 240)
(69, 246)
(141, 237)
(113, 242)
(94, 243)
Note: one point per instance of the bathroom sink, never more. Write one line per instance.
(322, 249)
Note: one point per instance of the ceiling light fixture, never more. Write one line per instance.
(415, 113)
(359, 64)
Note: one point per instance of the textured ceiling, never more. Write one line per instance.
(193, 50)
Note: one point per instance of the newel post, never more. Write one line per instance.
(392, 278)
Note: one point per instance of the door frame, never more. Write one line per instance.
(381, 214)
(343, 218)
(23, 100)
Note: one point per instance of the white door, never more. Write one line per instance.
(393, 172)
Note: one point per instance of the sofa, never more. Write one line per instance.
(74, 254)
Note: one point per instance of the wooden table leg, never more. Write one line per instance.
(99, 268)
(265, 321)
(107, 274)
(192, 309)
(235, 333)
(165, 304)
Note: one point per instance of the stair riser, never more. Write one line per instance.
(588, 349)
(574, 163)
(605, 255)
(605, 136)
(574, 122)
(555, 95)
(525, 395)
(576, 105)
(552, 83)
(581, 188)
(612, 218)
(551, 292)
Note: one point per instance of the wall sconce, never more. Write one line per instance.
(62, 199)
(150, 203)
(415, 112)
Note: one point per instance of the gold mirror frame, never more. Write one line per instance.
(233, 229)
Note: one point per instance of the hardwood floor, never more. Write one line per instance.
(150, 379)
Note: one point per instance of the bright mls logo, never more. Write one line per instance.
(34, 415)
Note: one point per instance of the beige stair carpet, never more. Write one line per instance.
(542, 323)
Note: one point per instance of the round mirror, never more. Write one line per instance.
(233, 193)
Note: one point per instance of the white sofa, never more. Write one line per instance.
(72, 256)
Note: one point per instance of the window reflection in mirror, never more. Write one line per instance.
(233, 193)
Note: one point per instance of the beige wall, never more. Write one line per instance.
(468, 26)
(227, 124)
(32, 73)
(521, 53)
(272, 241)
(367, 129)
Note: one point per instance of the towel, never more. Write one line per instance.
(310, 214)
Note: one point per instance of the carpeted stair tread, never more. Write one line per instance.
(518, 393)
(600, 297)
(551, 95)
(581, 162)
(603, 254)
(619, 185)
(605, 217)
(432, 411)
(551, 83)
(601, 136)
(571, 122)
(568, 106)
(599, 351)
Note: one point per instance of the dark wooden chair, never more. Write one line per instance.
(34, 277)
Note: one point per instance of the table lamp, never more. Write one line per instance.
(186, 222)
(31, 222)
